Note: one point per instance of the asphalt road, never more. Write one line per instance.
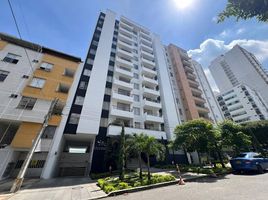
(235, 187)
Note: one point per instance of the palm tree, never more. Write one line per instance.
(152, 147)
(135, 145)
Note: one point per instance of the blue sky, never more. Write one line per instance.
(67, 25)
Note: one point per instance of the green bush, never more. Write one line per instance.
(108, 188)
(137, 184)
(101, 182)
(122, 185)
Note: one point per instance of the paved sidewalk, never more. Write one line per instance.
(61, 188)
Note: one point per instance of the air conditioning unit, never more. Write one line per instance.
(25, 76)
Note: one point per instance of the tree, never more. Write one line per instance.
(245, 9)
(194, 135)
(233, 136)
(135, 146)
(152, 147)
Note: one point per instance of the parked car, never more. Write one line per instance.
(249, 161)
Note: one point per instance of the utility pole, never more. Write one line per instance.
(19, 180)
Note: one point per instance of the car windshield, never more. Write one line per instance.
(242, 155)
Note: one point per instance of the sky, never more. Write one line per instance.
(67, 25)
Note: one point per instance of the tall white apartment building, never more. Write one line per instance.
(242, 104)
(238, 66)
(125, 79)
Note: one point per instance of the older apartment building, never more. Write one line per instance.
(31, 76)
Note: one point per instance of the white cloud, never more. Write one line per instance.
(212, 48)
(240, 31)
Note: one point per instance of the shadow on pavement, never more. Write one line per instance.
(46, 183)
(248, 173)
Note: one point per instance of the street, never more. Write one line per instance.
(233, 187)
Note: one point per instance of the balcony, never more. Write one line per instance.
(199, 99)
(148, 56)
(146, 42)
(125, 26)
(146, 48)
(188, 69)
(153, 118)
(202, 109)
(125, 38)
(151, 92)
(146, 37)
(148, 71)
(148, 63)
(186, 63)
(116, 130)
(149, 81)
(124, 45)
(196, 92)
(123, 84)
(122, 97)
(124, 53)
(151, 104)
(124, 72)
(122, 112)
(193, 83)
(124, 62)
(191, 76)
(126, 31)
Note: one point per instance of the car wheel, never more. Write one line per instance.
(260, 169)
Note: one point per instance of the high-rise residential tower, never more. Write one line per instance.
(193, 94)
(125, 80)
(238, 66)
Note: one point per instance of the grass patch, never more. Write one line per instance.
(132, 180)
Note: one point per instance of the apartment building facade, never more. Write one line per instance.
(238, 66)
(125, 80)
(31, 76)
(242, 104)
(192, 91)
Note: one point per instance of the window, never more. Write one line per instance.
(63, 88)
(49, 132)
(108, 91)
(87, 72)
(69, 72)
(136, 58)
(136, 75)
(79, 100)
(3, 75)
(11, 58)
(135, 51)
(136, 66)
(137, 125)
(46, 66)
(136, 86)
(74, 118)
(136, 98)
(123, 106)
(37, 82)
(27, 103)
(90, 61)
(109, 79)
(83, 85)
(137, 111)
(104, 122)
(105, 105)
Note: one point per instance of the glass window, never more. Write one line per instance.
(90, 61)
(136, 86)
(136, 98)
(49, 132)
(26, 103)
(87, 72)
(3, 75)
(46, 66)
(136, 66)
(79, 100)
(37, 82)
(137, 111)
(69, 72)
(104, 122)
(74, 118)
(83, 85)
(136, 75)
(105, 105)
(137, 125)
(109, 79)
(11, 58)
